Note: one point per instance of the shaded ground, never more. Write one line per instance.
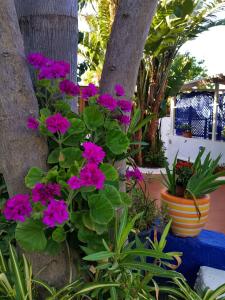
(217, 210)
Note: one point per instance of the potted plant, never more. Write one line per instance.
(186, 131)
(186, 196)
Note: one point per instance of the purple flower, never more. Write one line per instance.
(125, 120)
(125, 105)
(32, 123)
(89, 91)
(107, 101)
(45, 192)
(68, 87)
(37, 60)
(93, 153)
(135, 174)
(18, 208)
(56, 213)
(54, 70)
(57, 123)
(119, 90)
(90, 175)
(74, 183)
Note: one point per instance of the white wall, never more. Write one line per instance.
(188, 147)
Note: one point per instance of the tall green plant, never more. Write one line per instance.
(124, 263)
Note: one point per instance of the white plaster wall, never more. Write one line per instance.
(188, 147)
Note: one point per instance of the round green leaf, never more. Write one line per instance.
(59, 235)
(111, 194)
(30, 235)
(93, 117)
(126, 199)
(69, 155)
(101, 210)
(34, 176)
(109, 171)
(53, 157)
(117, 141)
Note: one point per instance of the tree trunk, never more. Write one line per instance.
(50, 27)
(20, 148)
(125, 49)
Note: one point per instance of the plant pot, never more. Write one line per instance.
(187, 134)
(186, 221)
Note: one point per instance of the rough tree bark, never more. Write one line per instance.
(20, 148)
(125, 48)
(50, 27)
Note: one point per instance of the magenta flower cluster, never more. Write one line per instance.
(68, 87)
(90, 175)
(89, 91)
(93, 153)
(56, 213)
(18, 208)
(107, 101)
(123, 119)
(32, 123)
(47, 68)
(57, 123)
(45, 192)
(134, 174)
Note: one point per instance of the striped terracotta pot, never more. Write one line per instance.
(186, 222)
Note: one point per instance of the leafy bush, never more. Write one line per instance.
(152, 215)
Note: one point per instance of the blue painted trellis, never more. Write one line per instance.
(196, 110)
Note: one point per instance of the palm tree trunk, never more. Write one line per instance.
(50, 27)
(20, 148)
(125, 48)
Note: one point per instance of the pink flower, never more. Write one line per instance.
(125, 120)
(69, 88)
(56, 213)
(89, 91)
(32, 123)
(93, 153)
(18, 208)
(45, 192)
(37, 60)
(74, 183)
(125, 105)
(107, 101)
(135, 174)
(90, 175)
(119, 90)
(54, 70)
(57, 123)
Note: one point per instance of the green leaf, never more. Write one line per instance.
(34, 176)
(69, 155)
(92, 286)
(77, 126)
(126, 199)
(93, 117)
(19, 279)
(101, 210)
(117, 141)
(53, 157)
(99, 256)
(59, 235)
(154, 269)
(44, 113)
(111, 193)
(30, 235)
(109, 171)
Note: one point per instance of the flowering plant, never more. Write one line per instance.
(196, 180)
(79, 195)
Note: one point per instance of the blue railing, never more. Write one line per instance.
(196, 110)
